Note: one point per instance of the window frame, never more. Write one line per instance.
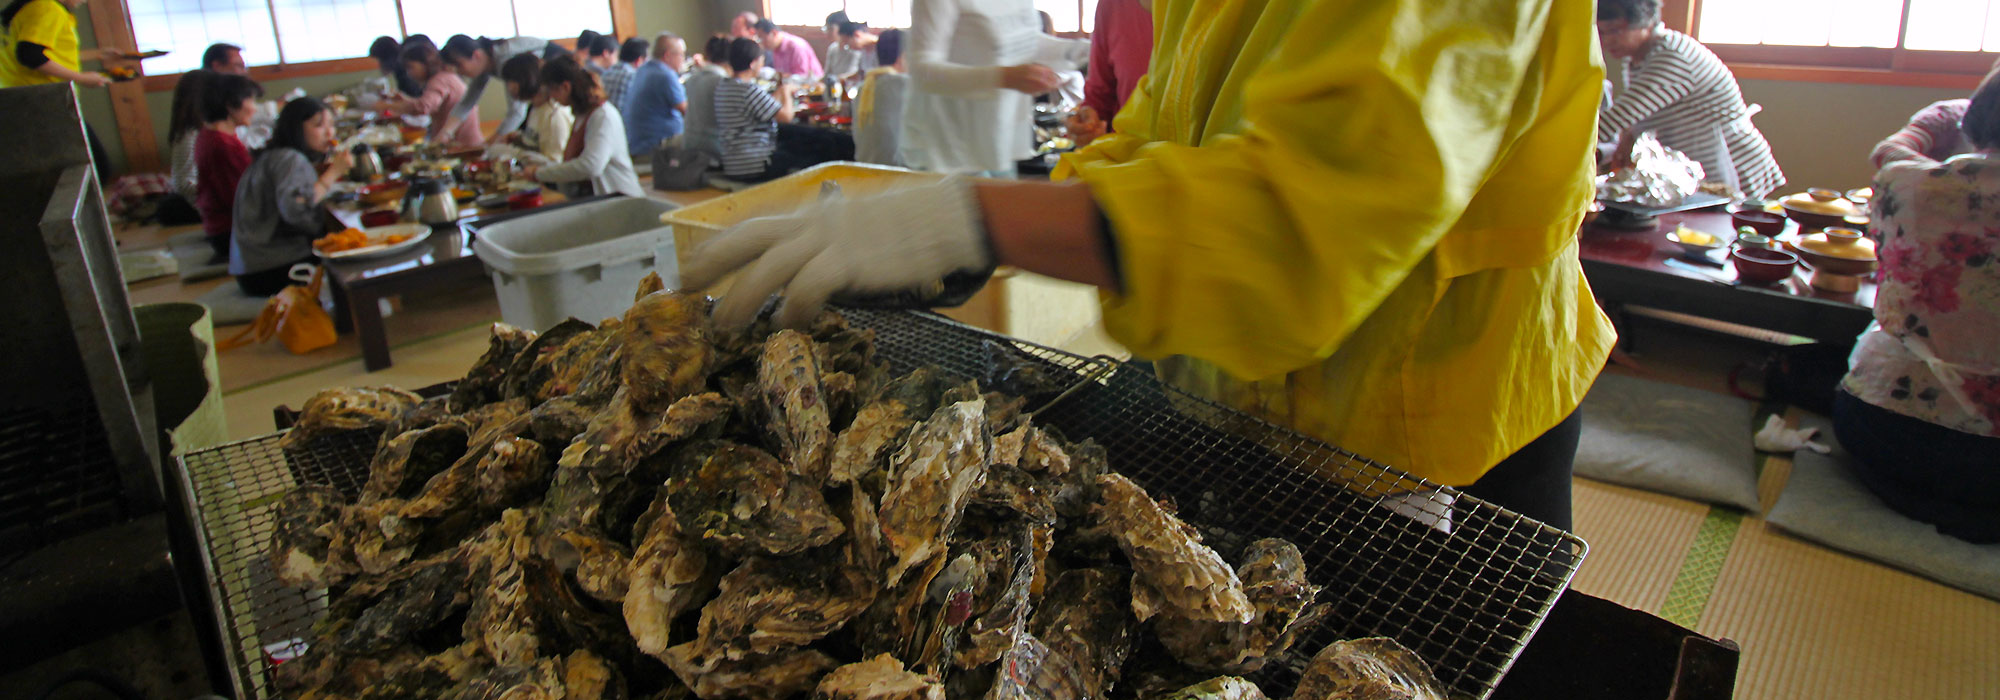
(764, 10)
(1837, 64)
(623, 22)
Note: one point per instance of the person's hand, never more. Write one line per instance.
(338, 164)
(899, 241)
(96, 80)
(1085, 126)
(1031, 78)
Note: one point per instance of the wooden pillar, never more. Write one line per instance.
(113, 28)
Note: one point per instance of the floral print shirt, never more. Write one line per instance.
(1933, 352)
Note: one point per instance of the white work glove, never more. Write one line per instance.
(1775, 437)
(900, 243)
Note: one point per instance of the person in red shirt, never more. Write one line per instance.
(228, 102)
(1121, 45)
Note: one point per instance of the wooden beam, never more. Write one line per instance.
(113, 29)
(264, 74)
(624, 22)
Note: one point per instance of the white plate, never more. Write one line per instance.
(417, 233)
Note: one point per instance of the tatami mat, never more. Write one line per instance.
(1638, 540)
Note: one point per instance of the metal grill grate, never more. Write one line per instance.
(57, 476)
(1466, 598)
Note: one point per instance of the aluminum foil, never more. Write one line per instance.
(1658, 176)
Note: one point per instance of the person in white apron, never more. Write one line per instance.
(975, 66)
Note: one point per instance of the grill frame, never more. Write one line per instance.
(1467, 601)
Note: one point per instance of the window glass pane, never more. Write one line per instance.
(1946, 25)
(1864, 23)
(1062, 11)
(1089, 15)
(804, 13)
(563, 19)
(442, 18)
(879, 14)
(325, 30)
(1800, 23)
(187, 27)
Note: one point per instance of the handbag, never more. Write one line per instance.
(677, 169)
(293, 315)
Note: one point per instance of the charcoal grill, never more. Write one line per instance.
(1465, 596)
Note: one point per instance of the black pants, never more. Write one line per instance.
(801, 147)
(265, 283)
(1929, 472)
(1534, 481)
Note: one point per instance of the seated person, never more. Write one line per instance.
(790, 54)
(184, 128)
(443, 89)
(596, 151)
(700, 131)
(1933, 134)
(878, 112)
(1920, 406)
(654, 109)
(1678, 90)
(547, 130)
(229, 102)
(617, 79)
(278, 206)
(759, 141)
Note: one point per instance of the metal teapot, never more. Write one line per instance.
(429, 201)
(367, 164)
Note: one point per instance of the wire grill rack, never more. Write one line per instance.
(57, 476)
(1461, 582)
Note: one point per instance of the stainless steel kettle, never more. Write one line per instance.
(432, 202)
(367, 164)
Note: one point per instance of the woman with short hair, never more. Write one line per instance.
(228, 101)
(547, 129)
(596, 152)
(444, 90)
(278, 203)
(1920, 406)
(1678, 90)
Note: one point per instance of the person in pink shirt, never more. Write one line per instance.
(443, 90)
(787, 52)
(1121, 46)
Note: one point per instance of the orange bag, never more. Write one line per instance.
(294, 316)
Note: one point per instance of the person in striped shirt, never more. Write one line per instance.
(1932, 135)
(759, 141)
(1678, 90)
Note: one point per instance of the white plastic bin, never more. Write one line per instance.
(583, 261)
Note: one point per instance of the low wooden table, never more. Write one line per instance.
(1633, 267)
(446, 259)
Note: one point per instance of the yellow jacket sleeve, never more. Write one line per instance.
(1365, 129)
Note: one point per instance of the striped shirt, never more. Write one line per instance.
(1687, 98)
(745, 115)
(1933, 134)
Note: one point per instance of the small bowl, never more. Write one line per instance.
(380, 217)
(1762, 266)
(1758, 220)
(1818, 208)
(1693, 248)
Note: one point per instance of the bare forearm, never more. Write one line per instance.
(57, 70)
(1049, 229)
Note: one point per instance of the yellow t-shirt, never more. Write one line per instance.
(1357, 218)
(45, 22)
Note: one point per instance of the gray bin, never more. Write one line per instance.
(583, 261)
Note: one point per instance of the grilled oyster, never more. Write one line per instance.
(413, 599)
(879, 678)
(324, 672)
(744, 502)
(879, 427)
(773, 677)
(1031, 450)
(570, 359)
(669, 575)
(1086, 619)
(1174, 572)
(370, 538)
(666, 352)
(988, 636)
(649, 284)
(558, 421)
(537, 679)
(933, 477)
(599, 566)
(1222, 688)
(510, 470)
(483, 383)
(768, 604)
(304, 522)
(788, 380)
(407, 461)
(353, 408)
(1372, 668)
(598, 464)
(1274, 579)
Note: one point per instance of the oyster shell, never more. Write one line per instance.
(742, 501)
(414, 599)
(879, 678)
(303, 532)
(788, 382)
(772, 677)
(880, 426)
(352, 408)
(1174, 572)
(1222, 688)
(407, 461)
(933, 477)
(669, 575)
(370, 538)
(1372, 668)
(599, 566)
(1274, 579)
(665, 349)
(483, 384)
(1085, 617)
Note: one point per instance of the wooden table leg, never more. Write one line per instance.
(368, 329)
(343, 321)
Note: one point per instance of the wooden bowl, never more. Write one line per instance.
(1762, 265)
(1758, 220)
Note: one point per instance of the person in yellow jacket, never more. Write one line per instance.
(1355, 218)
(41, 45)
